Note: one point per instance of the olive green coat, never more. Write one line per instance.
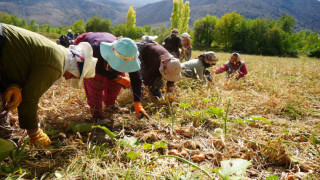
(35, 63)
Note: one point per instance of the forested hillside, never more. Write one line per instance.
(261, 121)
(306, 12)
(65, 12)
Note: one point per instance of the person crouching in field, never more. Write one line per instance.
(186, 44)
(173, 43)
(115, 57)
(235, 68)
(158, 64)
(64, 41)
(35, 63)
(197, 68)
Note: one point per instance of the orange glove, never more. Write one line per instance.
(140, 112)
(125, 82)
(170, 96)
(162, 100)
(40, 138)
(13, 97)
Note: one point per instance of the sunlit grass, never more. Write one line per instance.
(285, 91)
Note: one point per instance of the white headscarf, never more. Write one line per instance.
(80, 62)
(73, 57)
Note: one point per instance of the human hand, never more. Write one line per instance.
(170, 96)
(125, 82)
(140, 112)
(235, 75)
(39, 138)
(12, 97)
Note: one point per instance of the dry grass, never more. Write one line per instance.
(285, 91)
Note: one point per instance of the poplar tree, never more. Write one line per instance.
(180, 15)
(175, 15)
(131, 19)
(185, 17)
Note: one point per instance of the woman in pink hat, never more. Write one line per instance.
(35, 63)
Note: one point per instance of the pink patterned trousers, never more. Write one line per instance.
(100, 89)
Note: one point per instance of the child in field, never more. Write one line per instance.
(197, 68)
(235, 68)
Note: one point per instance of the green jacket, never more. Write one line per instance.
(35, 63)
(193, 68)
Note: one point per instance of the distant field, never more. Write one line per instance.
(271, 118)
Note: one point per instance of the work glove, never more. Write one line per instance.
(140, 112)
(170, 96)
(235, 75)
(40, 138)
(163, 100)
(13, 97)
(125, 82)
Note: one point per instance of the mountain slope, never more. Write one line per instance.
(306, 12)
(62, 12)
(65, 12)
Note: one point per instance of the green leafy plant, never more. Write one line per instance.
(251, 119)
(86, 127)
(258, 118)
(81, 127)
(129, 141)
(133, 155)
(273, 177)
(106, 130)
(233, 169)
(50, 130)
(214, 112)
(8, 151)
(16, 156)
(185, 105)
(155, 145)
(198, 116)
(99, 151)
(206, 100)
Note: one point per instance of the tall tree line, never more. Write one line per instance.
(232, 32)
